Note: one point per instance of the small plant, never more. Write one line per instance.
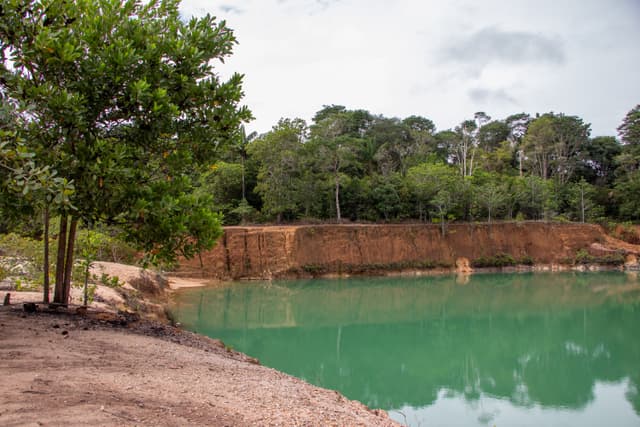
(526, 260)
(110, 281)
(314, 269)
(583, 258)
(499, 260)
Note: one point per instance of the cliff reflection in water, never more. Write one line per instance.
(532, 339)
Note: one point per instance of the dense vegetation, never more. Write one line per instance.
(112, 117)
(109, 111)
(354, 165)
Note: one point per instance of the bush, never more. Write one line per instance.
(499, 260)
(583, 258)
(626, 232)
(526, 260)
(105, 245)
(24, 256)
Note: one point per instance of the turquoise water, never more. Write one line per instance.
(487, 350)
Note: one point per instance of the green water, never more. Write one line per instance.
(488, 350)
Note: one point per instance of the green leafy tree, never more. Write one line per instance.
(627, 191)
(629, 130)
(598, 160)
(223, 182)
(434, 186)
(581, 201)
(537, 146)
(334, 149)
(125, 102)
(491, 196)
(535, 197)
(552, 145)
(278, 154)
(26, 185)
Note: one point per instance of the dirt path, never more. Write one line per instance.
(79, 370)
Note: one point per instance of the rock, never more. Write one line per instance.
(631, 263)
(463, 265)
(6, 285)
(29, 307)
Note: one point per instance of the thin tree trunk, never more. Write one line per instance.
(243, 185)
(520, 161)
(58, 296)
(68, 267)
(338, 198)
(582, 202)
(45, 263)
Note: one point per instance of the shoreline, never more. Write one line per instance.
(93, 367)
(177, 283)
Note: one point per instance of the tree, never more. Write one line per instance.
(434, 185)
(223, 182)
(537, 145)
(492, 134)
(26, 184)
(627, 191)
(491, 196)
(597, 160)
(334, 149)
(125, 103)
(278, 155)
(465, 147)
(467, 142)
(240, 145)
(552, 145)
(518, 125)
(581, 195)
(629, 130)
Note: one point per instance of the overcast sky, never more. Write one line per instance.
(443, 60)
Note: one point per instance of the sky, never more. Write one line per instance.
(443, 60)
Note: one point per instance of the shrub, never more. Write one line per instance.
(105, 245)
(526, 260)
(499, 260)
(583, 257)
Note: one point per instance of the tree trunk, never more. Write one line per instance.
(58, 296)
(338, 198)
(243, 184)
(45, 263)
(582, 202)
(520, 161)
(68, 264)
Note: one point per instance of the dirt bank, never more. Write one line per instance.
(60, 369)
(290, 251)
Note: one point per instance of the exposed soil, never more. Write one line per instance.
(329, 250)
(102, 369)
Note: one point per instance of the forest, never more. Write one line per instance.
(353, 165)
(113, 118)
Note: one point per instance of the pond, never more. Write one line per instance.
(482, 350)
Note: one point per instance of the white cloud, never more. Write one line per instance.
(442, 60)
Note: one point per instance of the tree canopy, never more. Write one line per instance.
(122, 99)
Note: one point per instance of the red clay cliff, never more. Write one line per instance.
(289, 251)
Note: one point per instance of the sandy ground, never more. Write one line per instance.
(109, 368)
(98, 369)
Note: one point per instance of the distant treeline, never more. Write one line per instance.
(358, 166)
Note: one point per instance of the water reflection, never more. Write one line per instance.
(543, 343)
